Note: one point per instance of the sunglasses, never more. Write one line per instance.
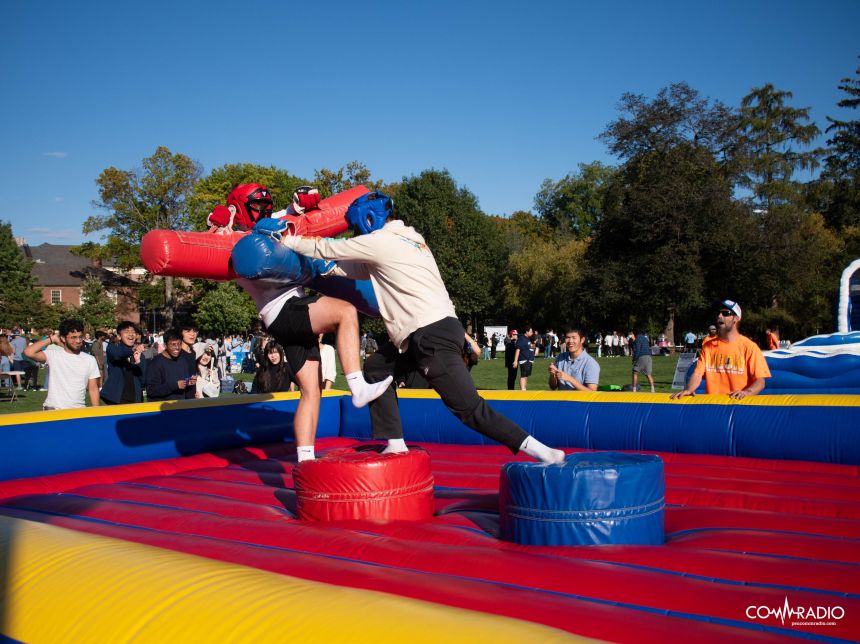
(726, 313)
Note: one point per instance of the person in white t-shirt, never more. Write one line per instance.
(73, 372)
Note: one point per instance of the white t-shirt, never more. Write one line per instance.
(70, 376)
(327, 363)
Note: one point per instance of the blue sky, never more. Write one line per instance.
(502, 94)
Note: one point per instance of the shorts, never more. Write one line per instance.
(642, 365)
(525, 369)
(292, 330)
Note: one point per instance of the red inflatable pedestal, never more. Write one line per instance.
(365, 485)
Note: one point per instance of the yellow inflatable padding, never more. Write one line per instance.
(60, 585)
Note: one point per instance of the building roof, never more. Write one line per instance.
(55, 265)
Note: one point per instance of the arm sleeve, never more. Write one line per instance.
(592, 374)
(118, 353)
(351, 270)
(364, 248)
(757, 364)
(94, 370)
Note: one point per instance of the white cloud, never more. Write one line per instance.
(56, 155)
(51, 233)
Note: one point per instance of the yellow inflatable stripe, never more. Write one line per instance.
(789, 400)
(65, 586)
(793, 400)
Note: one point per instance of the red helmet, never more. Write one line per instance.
(252, 201)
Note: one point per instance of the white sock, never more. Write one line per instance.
(534, 448)
(305, 453)
(396, 446)
(364, 392)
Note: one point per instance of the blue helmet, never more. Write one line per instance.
(369, 212)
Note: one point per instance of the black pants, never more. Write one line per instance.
(436, 352)
(512, 378)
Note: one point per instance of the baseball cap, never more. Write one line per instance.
(731, 305)
(514, 332)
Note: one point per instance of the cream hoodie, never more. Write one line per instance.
(401, 268)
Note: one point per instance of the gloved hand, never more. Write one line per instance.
(306, 198)
(220, 216)
(274, 228)
(261, 257)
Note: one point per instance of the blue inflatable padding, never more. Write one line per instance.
(359, 293)
(129, 436)
(831, 373)
(779, 429)
(592, 499)
(831, 339)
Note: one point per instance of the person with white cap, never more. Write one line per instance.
(729, 362)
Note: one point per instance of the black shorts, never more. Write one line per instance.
(292, 330)
(525, 369)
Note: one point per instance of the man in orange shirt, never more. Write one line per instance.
(731, 363)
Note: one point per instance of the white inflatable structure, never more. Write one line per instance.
(848, 314)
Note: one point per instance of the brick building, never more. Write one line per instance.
(61, 275)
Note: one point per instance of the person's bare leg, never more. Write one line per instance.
(523, 384)
(651, 382)
(635, 380)
(308, 410)
(331, 314)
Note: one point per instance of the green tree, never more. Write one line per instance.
(153, 197)
(97, 309)
(662, 234)
(542, 280)
(839, 185)
(355, 173)
(678, 114)
(225, 309)
(467, 247)
(213, 189)
(772, 134)
(574, 204)
(20, 299)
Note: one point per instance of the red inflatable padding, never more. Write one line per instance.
(207, 255)
(365, 485)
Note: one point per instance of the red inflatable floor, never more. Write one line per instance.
(756, 550)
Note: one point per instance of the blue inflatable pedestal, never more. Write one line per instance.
(594, 498)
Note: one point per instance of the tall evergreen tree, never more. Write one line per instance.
(20, 299)
(842, 165)
(772, 137)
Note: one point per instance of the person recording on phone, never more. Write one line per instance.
(126, 367)
(170, 376)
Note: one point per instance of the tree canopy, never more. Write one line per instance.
(20, 298)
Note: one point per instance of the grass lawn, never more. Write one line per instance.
(487, 374)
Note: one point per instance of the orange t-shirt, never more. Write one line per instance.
(772, 342)
(730, 366)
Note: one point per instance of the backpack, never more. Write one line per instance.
(240, 387)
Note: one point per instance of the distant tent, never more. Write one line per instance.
(849, 299)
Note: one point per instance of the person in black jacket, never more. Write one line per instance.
(510, 351)
(125, 367)
(171, 376)
(274, 373)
